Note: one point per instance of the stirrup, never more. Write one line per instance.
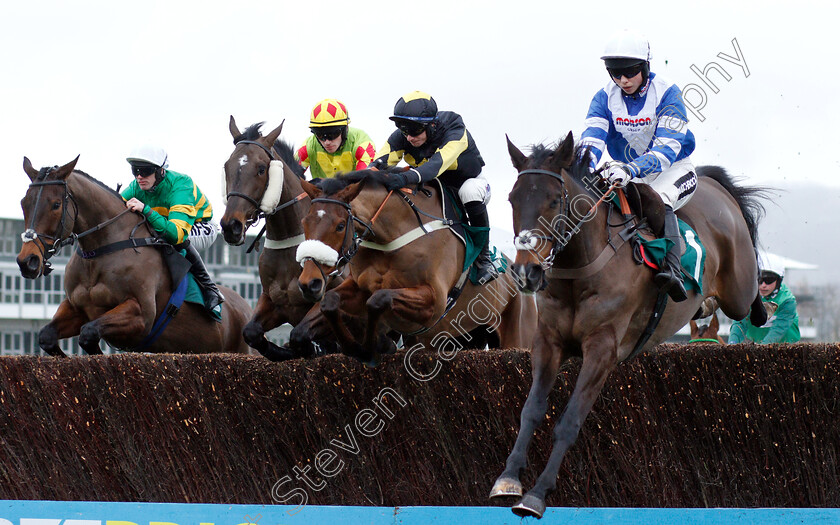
(669, 281)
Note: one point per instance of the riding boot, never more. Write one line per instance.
(670, 279)
(485, 269)
(212, 296)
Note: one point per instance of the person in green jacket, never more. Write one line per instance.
(782, 324)
(176, 209)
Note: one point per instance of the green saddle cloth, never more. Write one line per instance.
(473, 237)
(194, 295)
(692, 260)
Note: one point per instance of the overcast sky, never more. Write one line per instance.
(96, 78)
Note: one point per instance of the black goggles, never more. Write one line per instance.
(143, 171)
(411, 130)
(629, 72)
(327, 135)
(768, 279)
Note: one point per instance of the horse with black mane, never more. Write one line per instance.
(263, 180)
(406, 271)
(596, 301)
(117, 284)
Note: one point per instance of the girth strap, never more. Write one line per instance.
(406, 238)
(119, 245)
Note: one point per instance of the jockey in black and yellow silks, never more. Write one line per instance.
(436, 144)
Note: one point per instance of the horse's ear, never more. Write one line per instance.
(67, 169)
(565, 154)
(234, 130)
(350, 192)
(312, 190)
(516, 156)
(30, 171)
(271, 137)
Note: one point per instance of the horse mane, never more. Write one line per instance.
(45, 172)
(285, 150)
(579, 168)
(333, 185)
(747, 197)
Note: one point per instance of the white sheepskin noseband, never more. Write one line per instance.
(274, 190)
(317, 251)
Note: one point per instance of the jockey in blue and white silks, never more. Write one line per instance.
(641, 121)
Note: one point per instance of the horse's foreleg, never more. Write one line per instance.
(599, 360)
(267, 316)
(122, 323)
(416, 305)
(67, 322)
(518, 322)
(545, 362)
(346, 297)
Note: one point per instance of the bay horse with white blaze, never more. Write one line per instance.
(403, 264)
(118, 295)
(601, 315)
(263, 180)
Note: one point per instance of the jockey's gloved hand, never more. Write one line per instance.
(618, 174)
(396, 181)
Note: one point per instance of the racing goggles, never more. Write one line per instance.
(327, 134)
(629, 72)
(143, 171)
(411, 129)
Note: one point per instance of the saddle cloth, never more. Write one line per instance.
(472, 237)
(692, 261)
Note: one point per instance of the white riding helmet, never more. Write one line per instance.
(626, 44)
(149, 154)
(773, 264)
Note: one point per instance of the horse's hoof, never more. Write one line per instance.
(529, 506)
(506, 487)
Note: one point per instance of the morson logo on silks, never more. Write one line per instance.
(633, 122)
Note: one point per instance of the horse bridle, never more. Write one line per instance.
(558, 242)
(58, 241)
(258, 214)
(352, 243)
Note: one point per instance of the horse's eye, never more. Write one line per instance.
(56, 205)
(555, 203)
(261, 169)
(340, 227)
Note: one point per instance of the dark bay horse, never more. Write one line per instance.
(283, 203)
(116, 296)
(600, 315)
(398, 281)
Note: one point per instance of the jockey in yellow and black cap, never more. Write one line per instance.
(334, 147)
(436, 144)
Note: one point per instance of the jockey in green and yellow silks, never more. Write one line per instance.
(176, 209)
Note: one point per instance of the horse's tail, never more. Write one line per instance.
(748, 197)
